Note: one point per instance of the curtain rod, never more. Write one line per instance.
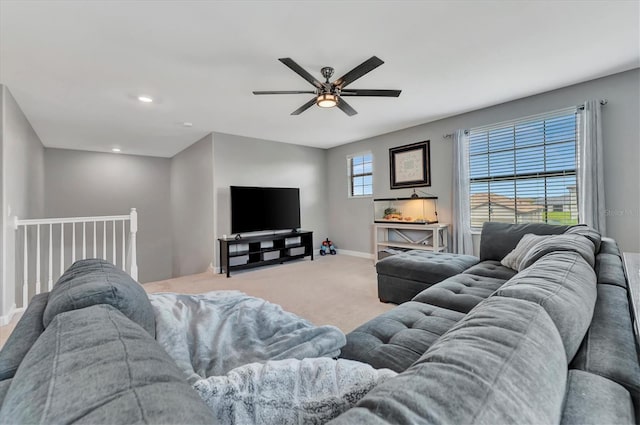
(602, 102)
(579, 107)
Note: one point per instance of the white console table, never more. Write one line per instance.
(632, 270)
(427, 237)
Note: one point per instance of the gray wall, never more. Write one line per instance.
(192, 208)
(83, 183)
(22, 183)
(350, 219)
(243, 161)
(4, 296)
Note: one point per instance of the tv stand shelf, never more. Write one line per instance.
(256, 251)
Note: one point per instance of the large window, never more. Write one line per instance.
(360, 171)
(525, 171)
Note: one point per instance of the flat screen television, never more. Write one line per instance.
(264, 208)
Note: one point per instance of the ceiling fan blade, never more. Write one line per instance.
(346, 108)
(304, 107)
(367, 66)
(283, 92)
(300, 71)
(361, 92)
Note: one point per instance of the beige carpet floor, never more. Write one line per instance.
(334, 290)
(337, 290)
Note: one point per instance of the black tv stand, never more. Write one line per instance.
(255, 251)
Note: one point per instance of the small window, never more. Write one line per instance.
(360, 171)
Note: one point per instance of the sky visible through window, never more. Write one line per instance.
(362, 175)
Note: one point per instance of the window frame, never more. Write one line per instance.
(523, 176)
(351, 176)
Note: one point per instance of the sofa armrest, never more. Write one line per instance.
(26, 332)
(95, 366)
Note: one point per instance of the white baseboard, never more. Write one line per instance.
(4, 320)
(212, 269)
(356, 253)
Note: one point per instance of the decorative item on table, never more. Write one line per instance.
(411, 210)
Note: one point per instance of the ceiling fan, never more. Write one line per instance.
(330, 94)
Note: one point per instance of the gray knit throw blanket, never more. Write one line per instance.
(254, 363)
(289, 392)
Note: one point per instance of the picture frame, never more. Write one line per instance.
(410, 165)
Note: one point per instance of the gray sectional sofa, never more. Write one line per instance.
(552, 343)
(86, 353)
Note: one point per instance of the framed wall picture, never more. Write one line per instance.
(410, 165)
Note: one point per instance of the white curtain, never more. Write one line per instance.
(591, 210)
(462, 241)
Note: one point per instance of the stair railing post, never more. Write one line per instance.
(133, 229)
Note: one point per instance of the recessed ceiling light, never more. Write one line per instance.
(115, 149)
(187, 124)
(145, 99)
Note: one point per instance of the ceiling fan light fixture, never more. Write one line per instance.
(327, 100)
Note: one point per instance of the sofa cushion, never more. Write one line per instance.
(565, 286)
(393, 289)
(491, 268)
(571, 243)
(609, 270)
(94, 365)
(401, 277)
(24, 335)
(588, 232)
(398, 337)
(513, 259)
(594, 400)
(460, 293)
(609, 347)
(425, 266)
(94, 281)
(503, 363)
(498, 239)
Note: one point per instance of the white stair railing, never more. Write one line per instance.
(55, 229)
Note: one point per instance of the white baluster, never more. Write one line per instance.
(38, 259)
(132, 244)
(114, 242)
(50, 282)
(25, 278)
(61, 248)
(104, 240)
(73, 243)
(128, 246)
(124, 248)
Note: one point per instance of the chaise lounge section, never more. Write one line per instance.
(403, 276)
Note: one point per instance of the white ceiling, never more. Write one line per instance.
(76, 68)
